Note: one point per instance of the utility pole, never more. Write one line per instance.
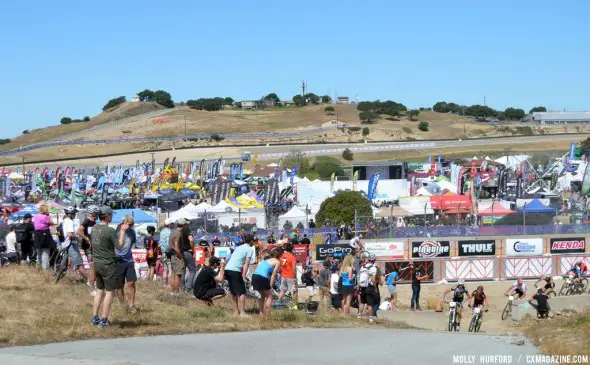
(185, 134)
(153, 163)
(484, 101)
(303, 88)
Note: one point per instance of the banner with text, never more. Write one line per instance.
(338, 251)
(568, 245)
(429, 249)
(524, 247)
(477, 247)
(386, 250)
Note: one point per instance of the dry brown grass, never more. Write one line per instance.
(563, 335)
(35, 310)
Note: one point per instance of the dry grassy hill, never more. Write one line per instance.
(124, 110)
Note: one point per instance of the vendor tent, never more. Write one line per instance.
(189, 211)
(416, 205)
(139, 216)
(496, 209)
(535, 206)
(295, 215)
(393, 211)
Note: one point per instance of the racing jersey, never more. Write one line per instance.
(459, 294)
(521, 287)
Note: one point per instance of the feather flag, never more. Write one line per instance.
(332, 179)
(355, 178)
(293, 172)
(255, 159)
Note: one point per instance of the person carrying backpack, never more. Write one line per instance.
(24, 237)
(152, 248)
(367, 284)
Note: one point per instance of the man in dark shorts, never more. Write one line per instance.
(542, 305)
(104, 242)
(126, 268)
(84, 232)
(151, 245)
(205, 288)
(236, 272)
(24, 236)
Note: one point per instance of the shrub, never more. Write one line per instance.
(354, 129)
(366, 131)
(407, 130)
(329, 109)
(423, 126)
(525, 131)
(217, 138)
(347, 155)
(113, 103)
(86, 119)
(4, 141)
(26, 131)
(65, 120)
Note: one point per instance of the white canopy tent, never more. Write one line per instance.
(416, 205)
(295, 215)
(190, 211)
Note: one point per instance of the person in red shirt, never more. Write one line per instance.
(288, 274)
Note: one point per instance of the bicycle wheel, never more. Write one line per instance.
(61, 270)
(451, 321)
(564, 289)
(473, 323)
(478, 324)
(506, 311)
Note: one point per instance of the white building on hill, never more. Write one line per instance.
(562, 117)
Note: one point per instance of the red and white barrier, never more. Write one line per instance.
(470, 269)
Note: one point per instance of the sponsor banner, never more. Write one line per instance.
(490, 219)
(300, 252)
(568, 245)
(199, 256)
(386, 250)
(405, 273)
(430, 249)
(339, 250)
(524, 247)
(477, 248)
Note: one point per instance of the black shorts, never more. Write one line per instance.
(106, 277)
(336, 301)
(519, 293)
(236, 282)
(260, 282)
(368, 295)
(27, 251)
(126, 272)
(347, 289)
(210, 294)
(477, 303)
(151, 262)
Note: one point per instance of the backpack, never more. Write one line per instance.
(60, 233)
(21, 234)
(364, 277)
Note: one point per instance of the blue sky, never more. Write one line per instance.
(67, 58)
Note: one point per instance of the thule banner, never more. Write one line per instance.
(477, 248)
(430, 249)
(568, 245)
(338, 251)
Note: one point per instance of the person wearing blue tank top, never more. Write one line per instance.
(347, 288)
(263, 280)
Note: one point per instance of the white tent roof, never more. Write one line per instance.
(203, 207)
(295, 212)
(513, 161)
(423, 192)
(187, 212)
(220, 208)
(416, 205)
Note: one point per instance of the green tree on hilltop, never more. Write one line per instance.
(341, 208)
(113, 103)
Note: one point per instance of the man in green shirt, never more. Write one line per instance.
(104, 242)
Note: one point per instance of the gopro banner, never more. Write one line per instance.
(477, 248)
(524, 247)
(568, 245)
(339, 251)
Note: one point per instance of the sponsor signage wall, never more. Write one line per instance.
(477, 248)
(430, 249)
(300, 251)
(568, 245)
(405, 273)
(386, 250)
(323, 251)
(524, 247)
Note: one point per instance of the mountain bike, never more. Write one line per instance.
(507, 312)
(60, 266)
(453, 326)
(570, 287)
(476, 320)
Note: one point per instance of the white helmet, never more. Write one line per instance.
(460, 282)
(547, 276)
(93, 210)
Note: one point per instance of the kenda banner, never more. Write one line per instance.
(477, 247)
(568, 245)
(524, 247)
(428, 249)
(339, 251)
(385, 250)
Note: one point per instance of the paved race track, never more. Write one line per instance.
(300, 346)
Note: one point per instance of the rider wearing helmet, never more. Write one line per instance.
(71, 242)
(479, 299)
(84, 233)
(367, 280)
(579, 269)
(460, 293)
(518, 288)
(546, 283)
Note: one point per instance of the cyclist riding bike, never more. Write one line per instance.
(518, 288)
(579, 269)
(356, 245)
(547, 284)
(479, 300)
(459, 294)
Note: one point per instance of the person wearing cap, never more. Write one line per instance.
(165, 249)
(152, 248)
(104, 242)
(188, 248)
(205, 287)
(24, 235)
(177, 265)
(367, 280)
